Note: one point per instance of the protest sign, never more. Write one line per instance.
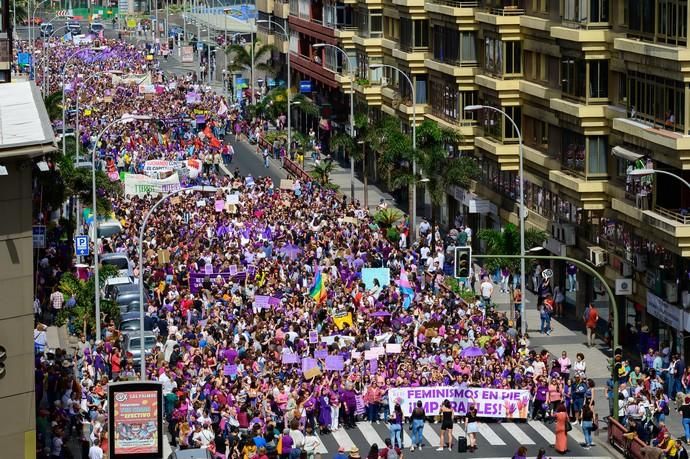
(163, 256)
(286, 184)
(393, 348)
(187, 54)
(360, 407)
(373, 366)
(342, 319)
(355, 355)
(335, 363)
(370, 355)
(290, 357)
(343, 339)
(141, 185)
(313, 337)
(230, 370)
(308, 363)
(320, 354)
(219, 205)
(492, 403)
(196, 280)
(312, 373)
(383, 275)
(378, 350)
(233, 198)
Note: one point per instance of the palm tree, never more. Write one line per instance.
(391, 146)
(53, 103)
(241, 58)
(438, 169)
(507, 242)
(322, 172)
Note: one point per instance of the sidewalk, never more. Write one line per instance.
(569, 335)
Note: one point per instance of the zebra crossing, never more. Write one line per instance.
(494, 439)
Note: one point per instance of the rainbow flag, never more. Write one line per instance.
(405, 288)
(318, 289)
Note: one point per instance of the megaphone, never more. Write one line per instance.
(547, 274)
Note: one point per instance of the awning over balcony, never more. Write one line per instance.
(624, 153)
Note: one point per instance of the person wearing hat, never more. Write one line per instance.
(354, 453)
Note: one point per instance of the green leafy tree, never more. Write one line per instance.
(322, 172)
(53, 103)
(82, 314)
(507, 242)
(241, 58)
(391, 146)
(350, 145)
(19, 10)
(435, 167)
(388, 217)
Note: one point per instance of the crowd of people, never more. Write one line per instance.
(275, 272)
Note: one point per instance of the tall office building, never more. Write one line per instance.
(598, 88)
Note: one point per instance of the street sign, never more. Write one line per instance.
(305, 86)
(81, 246)
(39, 236)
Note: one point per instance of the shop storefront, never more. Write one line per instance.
(666, 321)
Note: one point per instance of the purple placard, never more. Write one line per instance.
(232, 269)
(320, 354)
(313, 337)
(290, 357)
(274, 300)
(373, 366)
(308, 363)
(335, 363)
(219, 205)
(200, 119)
(261, 301)
(230, 370)
(208, 269)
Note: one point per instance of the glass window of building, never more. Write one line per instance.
(574, 151)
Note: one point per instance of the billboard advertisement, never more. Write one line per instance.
(136, 420)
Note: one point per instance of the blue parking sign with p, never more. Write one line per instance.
(81, 246)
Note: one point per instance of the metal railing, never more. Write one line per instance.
(457, 3)
(672, 214)
(507, 11)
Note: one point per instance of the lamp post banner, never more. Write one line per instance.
(492, 403)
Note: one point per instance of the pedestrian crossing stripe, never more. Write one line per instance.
(488, 434)
(495, 434)
(544, 431)
(518, 434)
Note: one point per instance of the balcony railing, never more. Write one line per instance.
(682, 216)
(457, 3)
(507, 11)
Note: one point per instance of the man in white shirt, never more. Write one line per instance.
(486, 289)
(95, 452)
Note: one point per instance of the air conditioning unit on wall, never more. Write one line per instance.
(597, 256)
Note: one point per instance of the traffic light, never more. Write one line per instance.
(463, 261)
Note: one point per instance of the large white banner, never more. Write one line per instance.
(493, 403)
(141, 185)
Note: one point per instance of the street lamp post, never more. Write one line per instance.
(125, 119)
(32, 37)
(413, 210)
(521, 205)
(64, 108)
(287, 37)
(141, 264)
(351, 68)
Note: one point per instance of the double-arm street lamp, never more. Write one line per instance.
(521, 205)
(286, 32)
(413, 204)
(201, 189)
(126, 118)
(351, 69)
(647, 172)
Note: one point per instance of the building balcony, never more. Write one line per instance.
(415, 4)
(507, 19)
(370, 92)
(452, 69)
(507, 155)
(590, 116)
(452, 8)
(313, 28)
(581, 35)
(672, 223)
(592, 193)
(652, 50)
(537, 90)
(509, 89)
(367, 41)
(281, 9)
(643, 133)
(265, 6)
(313, 70)
(627, 208)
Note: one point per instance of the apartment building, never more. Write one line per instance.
(5, 41)
(597, 88)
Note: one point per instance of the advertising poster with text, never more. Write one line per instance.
(136, 422)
